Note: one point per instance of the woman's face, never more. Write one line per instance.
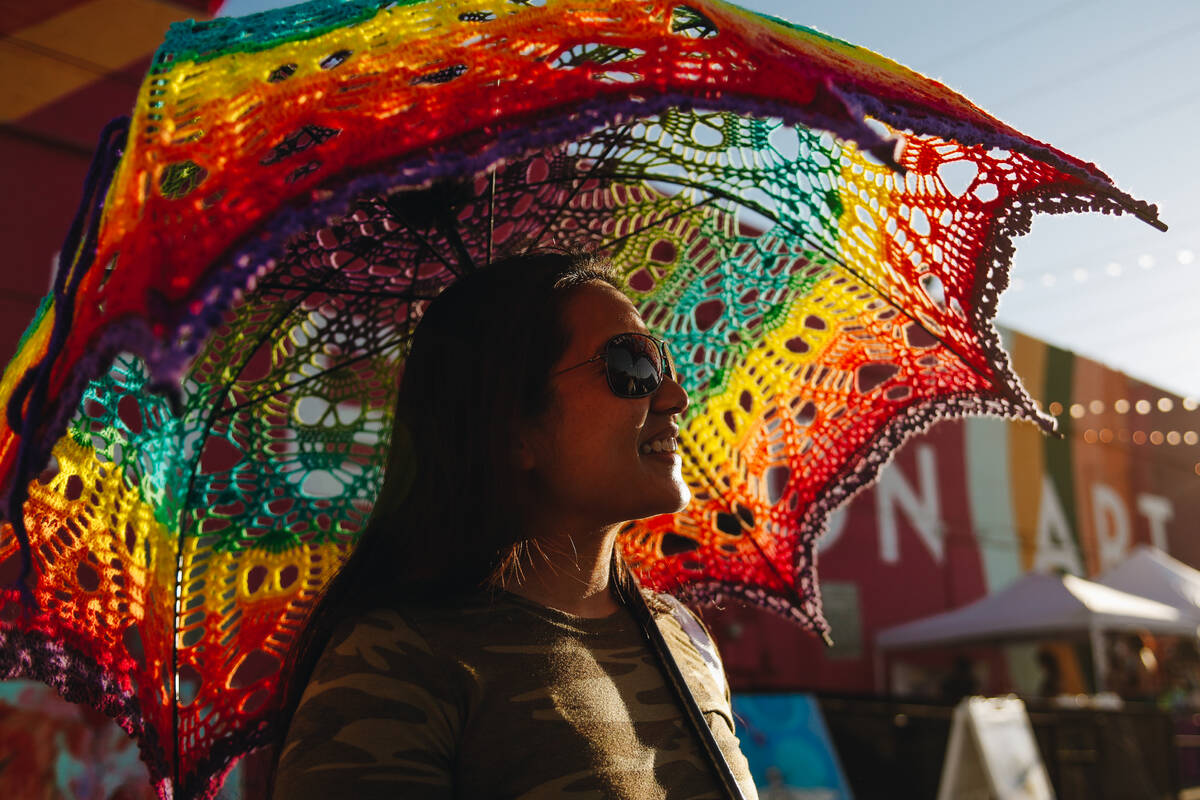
(585, 454)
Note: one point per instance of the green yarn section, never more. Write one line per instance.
(42, 310)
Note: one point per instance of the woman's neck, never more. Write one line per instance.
(569, 573)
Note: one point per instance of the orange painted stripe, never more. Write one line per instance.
(1100, 467)
(1026, 454)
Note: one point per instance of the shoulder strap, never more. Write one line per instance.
(699, 636)
(631, 597)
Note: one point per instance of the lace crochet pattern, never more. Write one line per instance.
(196, 420)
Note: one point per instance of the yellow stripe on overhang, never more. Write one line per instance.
(45, 62)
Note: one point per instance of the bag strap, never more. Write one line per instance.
(631, 597)
(698, 636)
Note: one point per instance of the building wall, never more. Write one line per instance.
(971, 505)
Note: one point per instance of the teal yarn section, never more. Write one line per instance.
(763, 199)
(198, 42)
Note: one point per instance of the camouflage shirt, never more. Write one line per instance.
(504, 698)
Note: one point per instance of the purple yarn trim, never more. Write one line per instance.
(168, 361)
(75, 259)
(78, 678)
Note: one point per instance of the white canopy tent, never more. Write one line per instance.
(1039, 606)
(1151, 573)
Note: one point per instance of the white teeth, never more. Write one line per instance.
(668, 445)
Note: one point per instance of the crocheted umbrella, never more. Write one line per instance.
(197, 417)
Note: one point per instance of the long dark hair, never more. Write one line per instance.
(448, 517)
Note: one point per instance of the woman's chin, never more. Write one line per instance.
(675, 499)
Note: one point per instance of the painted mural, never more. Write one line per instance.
(971, 505)
(789, 749)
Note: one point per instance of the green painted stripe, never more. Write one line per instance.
(989, 493)
(1060, 375)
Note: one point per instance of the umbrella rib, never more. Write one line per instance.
(288, 386)
(310, 288)
(617, 136)
(818, 247)
(215, 413)
(491, 214)
(421, 239)
(749, 533)
(446, 225)
(176, 608)
(657, 221)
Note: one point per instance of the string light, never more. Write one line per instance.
(1107, 435)
(1113, 269)
(1163, 404)
(1122, 406)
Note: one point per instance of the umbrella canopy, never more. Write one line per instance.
(1036, 606)
(1150, 572)
(196, 419)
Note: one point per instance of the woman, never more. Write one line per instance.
(474, 645)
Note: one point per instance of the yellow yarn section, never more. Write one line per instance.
(734, 418)
(394, 40)
(90, 529)
(890, 238)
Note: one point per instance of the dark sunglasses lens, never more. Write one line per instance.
(634, 366)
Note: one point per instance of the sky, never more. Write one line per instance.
(1108, 81)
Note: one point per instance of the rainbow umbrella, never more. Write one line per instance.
(196, 419)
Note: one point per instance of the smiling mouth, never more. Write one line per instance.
(668, 444)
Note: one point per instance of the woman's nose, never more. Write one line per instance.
(670, 398)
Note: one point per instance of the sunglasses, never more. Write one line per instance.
(634, 363)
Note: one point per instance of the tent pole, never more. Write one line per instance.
(880, 673)
(1099, 667)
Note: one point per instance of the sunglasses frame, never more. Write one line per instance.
(666, 369)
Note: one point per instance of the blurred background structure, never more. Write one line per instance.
(1101, 320)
